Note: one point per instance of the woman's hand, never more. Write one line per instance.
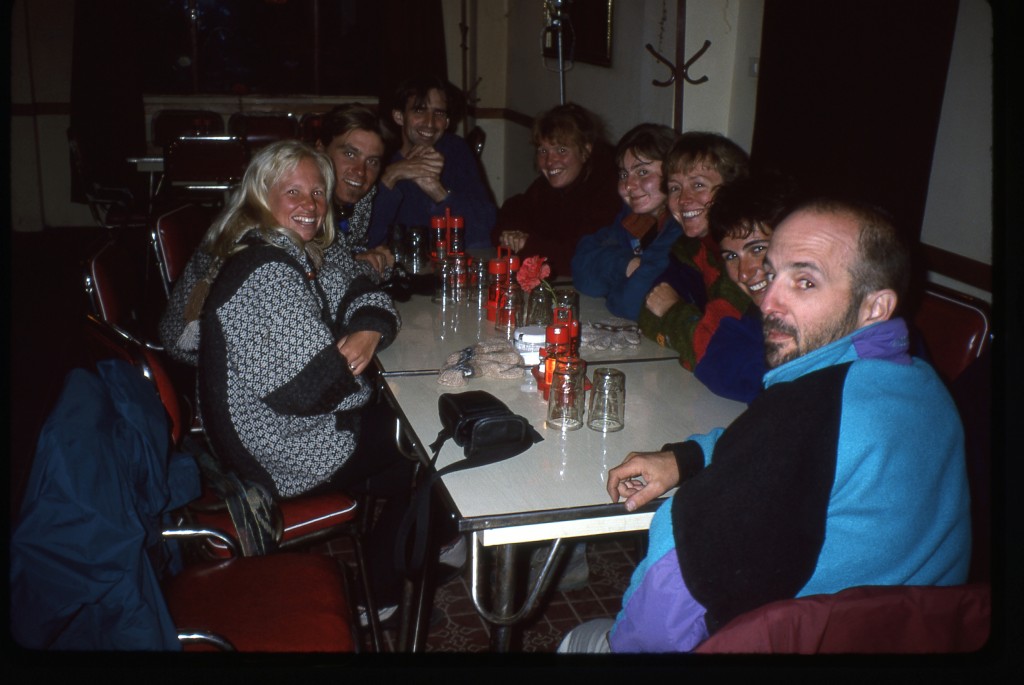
(661, 298)
(358, 349)
(513, 240)
(642, 477)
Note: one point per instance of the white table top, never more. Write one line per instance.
(555, 489)
(429, 334)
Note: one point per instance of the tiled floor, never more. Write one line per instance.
(459, 628)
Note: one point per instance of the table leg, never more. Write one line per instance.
(504, 595)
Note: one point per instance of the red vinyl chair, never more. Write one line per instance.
(104, 341)
(119, 291)
(275, 603)
(175, 235)
(262, 128)
(863, 620)
(99, 562)
(170, 124)
(302, 522)
(956, 329)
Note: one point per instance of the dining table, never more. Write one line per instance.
(556, 489)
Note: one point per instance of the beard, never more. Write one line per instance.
(777, 354)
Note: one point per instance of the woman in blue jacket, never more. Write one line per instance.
(620, 262)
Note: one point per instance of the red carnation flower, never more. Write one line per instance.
(532, 273)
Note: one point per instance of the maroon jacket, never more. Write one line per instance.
(557, 218)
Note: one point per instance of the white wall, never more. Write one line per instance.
(504, 52)
(623, 94)
(958, 213)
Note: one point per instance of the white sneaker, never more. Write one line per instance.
(383, 614)
(454, 553)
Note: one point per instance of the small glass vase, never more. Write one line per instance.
(538, 307)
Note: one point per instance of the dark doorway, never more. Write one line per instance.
(849, 97)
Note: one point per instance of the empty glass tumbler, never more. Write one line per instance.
(509, 310)
(538, 307)
(607, 411)
(566, 394)
(568, 297)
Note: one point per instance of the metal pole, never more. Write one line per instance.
(193, 19)
(557, 23)
(677, 118)
(464, 49)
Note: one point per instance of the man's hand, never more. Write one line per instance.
(661, 298)
(358, 349)
(642, 477)
(422, 166)
(513, 240)
(379, 258)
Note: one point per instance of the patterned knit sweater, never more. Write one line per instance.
(172, 323)
(279, 403)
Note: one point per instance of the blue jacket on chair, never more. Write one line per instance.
(86, 553)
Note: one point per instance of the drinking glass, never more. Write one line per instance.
(607, 411)
(539, 307)
(570, 298)
(566, 394)
(510, 304)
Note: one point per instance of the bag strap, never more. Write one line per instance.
(417, 519)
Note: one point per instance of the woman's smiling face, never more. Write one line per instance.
(560, 163)
(690, 194)
(298, 200)
(744, 260)
(640, 184)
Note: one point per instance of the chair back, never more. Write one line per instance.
(898, 619)
(170, 124)
(115, 283)
(262, 128)
(955, 327)
(310, 126)
(104, 341)
(203, 168)
(175, 235)
(110, 206)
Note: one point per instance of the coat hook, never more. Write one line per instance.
(658, 56)
(689, 63)
(684, 71)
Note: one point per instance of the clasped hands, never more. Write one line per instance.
(423, 166)
(513, 240)
(643, 477)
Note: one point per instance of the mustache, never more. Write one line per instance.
(773, 323)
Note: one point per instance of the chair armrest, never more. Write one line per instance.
(201, 533)
(203, 638)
